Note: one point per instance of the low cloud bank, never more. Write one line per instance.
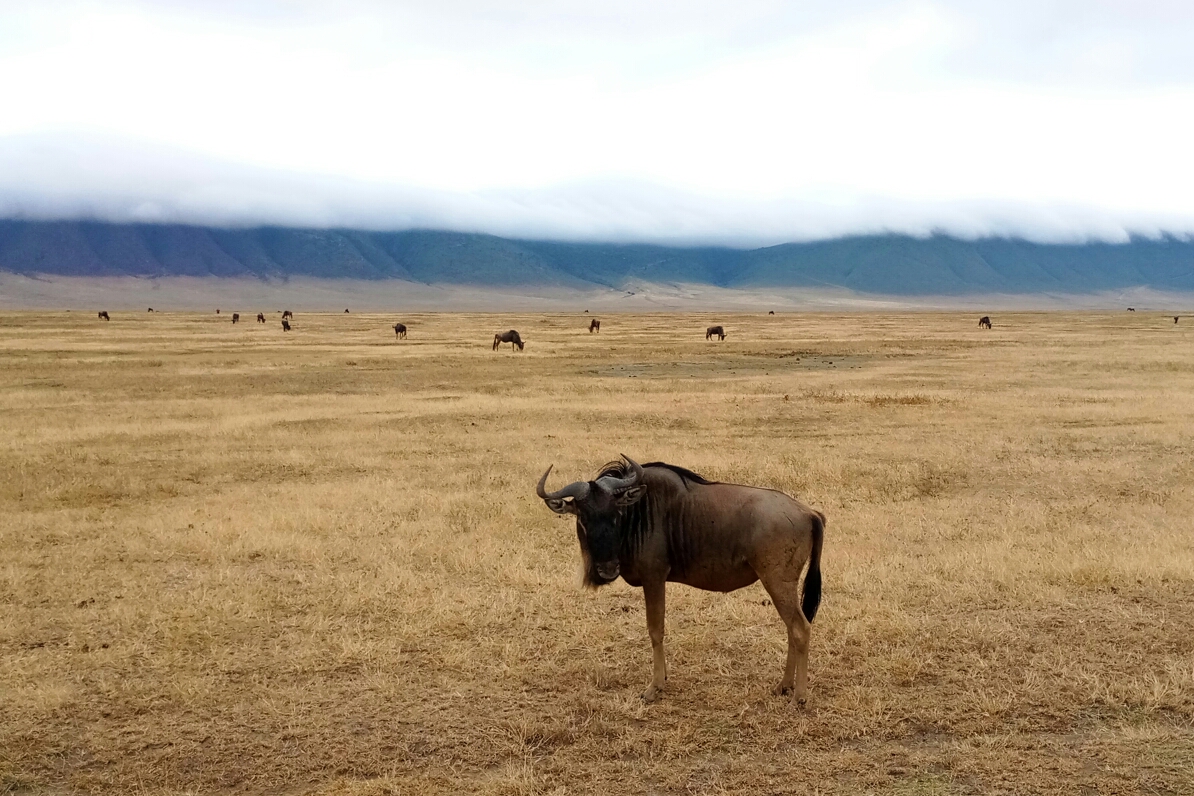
(53, 177)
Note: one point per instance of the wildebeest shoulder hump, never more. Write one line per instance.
(620, 470)
(684, 473)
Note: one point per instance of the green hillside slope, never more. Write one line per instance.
(884, 264)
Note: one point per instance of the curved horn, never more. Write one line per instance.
(618, 484)
(577, 491)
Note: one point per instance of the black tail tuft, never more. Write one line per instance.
(812, 595)
(812, 581)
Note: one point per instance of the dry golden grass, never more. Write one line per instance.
(233, 560)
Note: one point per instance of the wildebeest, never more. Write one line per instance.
(104, 315)
(400, 330)
(285, 325)
(346, 310)
(715, 330)
(656, 523)
(217, 310)
(594, 326)
(772, 312)
(510, 337)
(1131, 309)
(261, 317)
(984, 322)
(1175, 317)
(150, 309)
(235, 317)
(287, 314)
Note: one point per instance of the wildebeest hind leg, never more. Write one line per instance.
(655, 596)
(785, 593)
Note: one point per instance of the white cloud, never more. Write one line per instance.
(746, 122)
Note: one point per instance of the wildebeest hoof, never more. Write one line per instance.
(652, 694)
(785, 690)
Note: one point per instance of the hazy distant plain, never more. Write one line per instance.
(205, 294)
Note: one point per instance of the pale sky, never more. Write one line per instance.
(746, 122)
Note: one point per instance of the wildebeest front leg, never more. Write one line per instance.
(654, 594)
(785, 593)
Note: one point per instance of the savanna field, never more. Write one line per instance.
(235, 560)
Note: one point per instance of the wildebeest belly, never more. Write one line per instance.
(722, 578)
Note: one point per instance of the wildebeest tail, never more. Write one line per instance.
(812, 581)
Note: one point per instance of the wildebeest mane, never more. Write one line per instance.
(619, 469)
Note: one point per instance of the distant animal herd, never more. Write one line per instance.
(515, 339)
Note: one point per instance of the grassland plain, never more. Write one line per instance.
(234, 560)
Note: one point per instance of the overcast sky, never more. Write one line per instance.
(745, 122)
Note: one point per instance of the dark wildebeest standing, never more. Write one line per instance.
(261, 317)
(150, 309)
(1131, 309)
(772, 312)
(594, 326)
(235, 317)
(217, 310)
(1175, 317)
(104, 315)
(400, 330)
(984, 322)
(510, 337)
(285, 325)
(658, 523)
(287, 314)
(715, 330)
(346, 310)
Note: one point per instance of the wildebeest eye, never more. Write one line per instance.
(628, 497)
(560, 505)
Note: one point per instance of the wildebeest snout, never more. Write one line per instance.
(609, 570)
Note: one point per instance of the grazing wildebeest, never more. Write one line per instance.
(656, 523)
(1131, 309)
(1175, 317)
(151, 309)
(261, 317)
(715, 330)
(104, 315)
(400, 330)
(287, 314)
(594, 326)
(772, 312)
(984, 322)
(510, 337)
(235, 317)
(285, 325)
(346, 310)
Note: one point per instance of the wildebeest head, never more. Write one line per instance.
(598, 506)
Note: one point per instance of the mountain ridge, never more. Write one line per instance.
(878, 264)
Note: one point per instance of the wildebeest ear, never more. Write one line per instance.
(631, 495)
(561, 505)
